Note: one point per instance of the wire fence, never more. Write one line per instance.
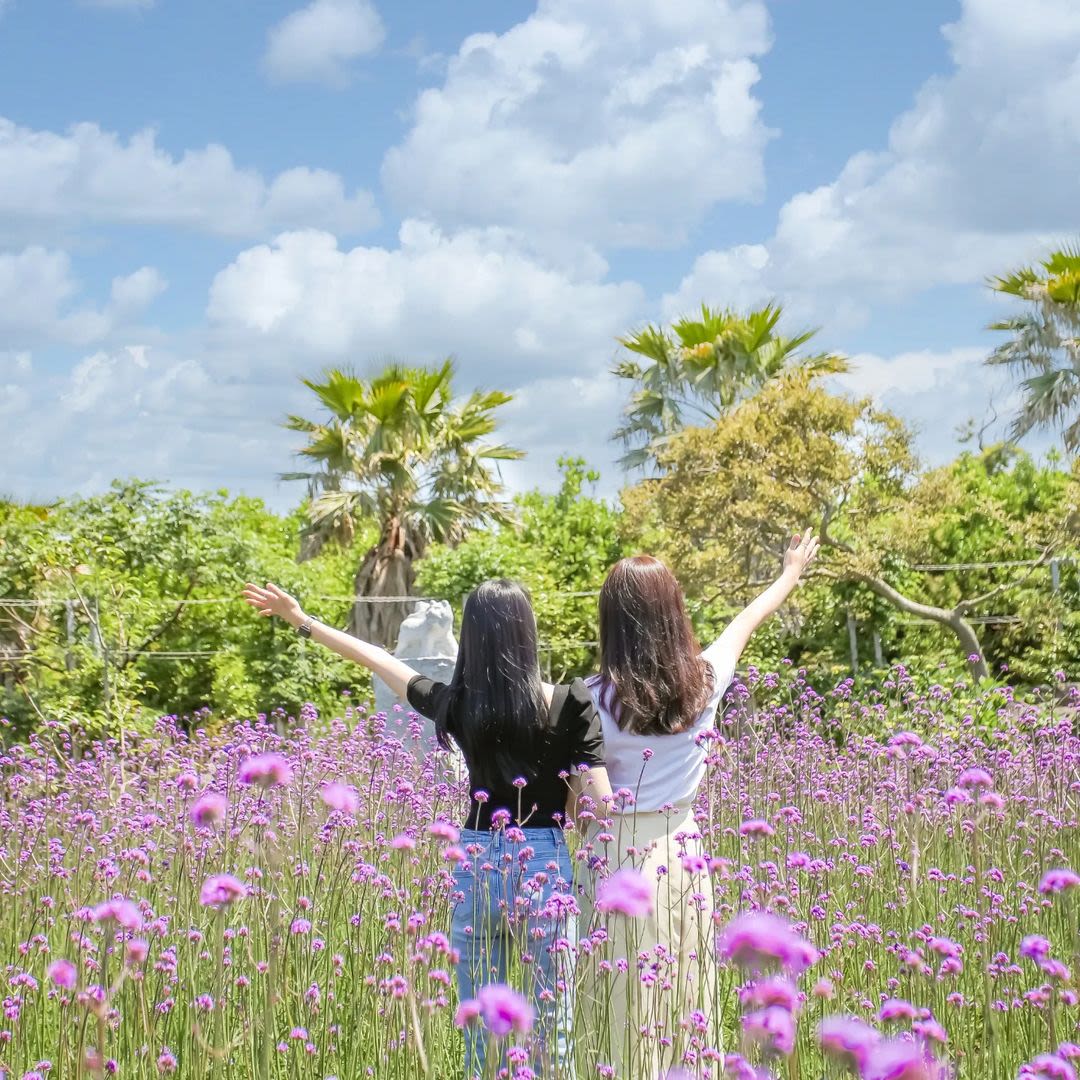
(89, 611)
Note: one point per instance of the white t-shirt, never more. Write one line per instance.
(673, 774)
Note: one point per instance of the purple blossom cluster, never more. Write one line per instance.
(893, 881)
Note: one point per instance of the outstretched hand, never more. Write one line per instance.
(272, 600)
(800, 553)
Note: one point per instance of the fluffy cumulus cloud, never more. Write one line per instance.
(319, 42)
(87, 175)
(568, 414)
(35, 287)
(547, 332)
(40, 299)
(977, 175)
(942, 395)
(180, 411)
(15, 369)
(615, 121)
(138, 411)
(477, 293)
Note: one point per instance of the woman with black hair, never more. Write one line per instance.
(658, 695)
(524, 742)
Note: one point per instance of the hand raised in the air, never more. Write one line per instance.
(272, 600)
(800, 553)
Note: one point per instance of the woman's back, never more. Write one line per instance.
(661, 770)
(570, 736)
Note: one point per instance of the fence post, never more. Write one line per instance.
(853, 642)
(69, 626)
(879, 660)
(104, 662)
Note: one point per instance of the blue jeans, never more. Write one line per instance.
(516, 923)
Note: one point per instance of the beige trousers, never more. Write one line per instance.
(654, 978)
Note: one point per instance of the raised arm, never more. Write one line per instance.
(274, 601)
(729, 646)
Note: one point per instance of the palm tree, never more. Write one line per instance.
(700, 368)
(1044, 347)
(398, 450)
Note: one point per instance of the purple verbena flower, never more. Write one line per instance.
(266, 771)
(626, 892)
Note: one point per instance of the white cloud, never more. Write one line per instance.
(909, 373)
(88, 175)
(978, 174)
(611, 121)
(14, 401)
(93, 377)
(36, 290)
(15, 367)
(39, 299)
(566, 415)
(938, 393)
(318, 42)
(545, 332)
(206, 411)
(16, 363)
(137, 291)
(128, 411)
(476, 293)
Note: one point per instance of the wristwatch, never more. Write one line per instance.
(304, 629)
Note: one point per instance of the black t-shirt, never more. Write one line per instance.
(574, 738)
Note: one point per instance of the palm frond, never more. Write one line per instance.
(1017, 283)
(501, 452)
(298, 423)
(340, 392)
(1042, 343)
(651, 342)
(385, 399)
(433, 386)
(331, 507)
(709, 363)
(397, 446)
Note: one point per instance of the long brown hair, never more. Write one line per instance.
(653, 678)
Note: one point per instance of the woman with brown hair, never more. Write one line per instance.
(657, 695)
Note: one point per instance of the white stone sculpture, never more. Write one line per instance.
(426, 643)
(427, 633)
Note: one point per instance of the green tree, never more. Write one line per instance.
(125, 606)
(398, 450)
(983, 516)
(1043, 349)
(560, 547)
(795, 455)
(701, 367)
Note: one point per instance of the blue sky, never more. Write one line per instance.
(202, 202)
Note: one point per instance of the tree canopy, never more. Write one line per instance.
(1043, 349)
(694, 371)
(124, 606)
(796, 455)
(401, 451)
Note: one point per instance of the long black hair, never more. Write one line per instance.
(495, 705)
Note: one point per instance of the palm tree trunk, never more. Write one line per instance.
(386, 570)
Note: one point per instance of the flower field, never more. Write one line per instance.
(894, 885)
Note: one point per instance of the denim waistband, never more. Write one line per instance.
(534, 834)
(531, 833)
